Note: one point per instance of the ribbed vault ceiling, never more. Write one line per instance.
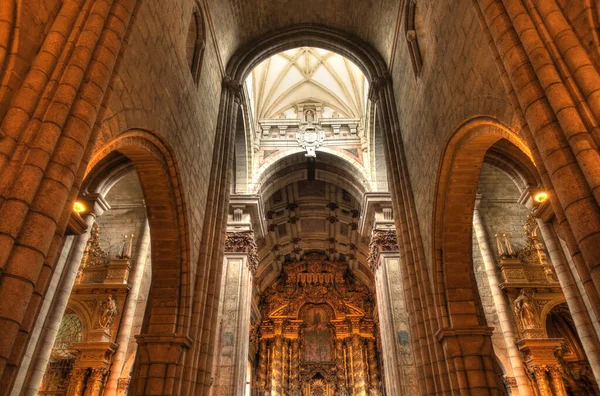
(307, 75)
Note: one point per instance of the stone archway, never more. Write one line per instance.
(463, 334)
(168, 314)
(424, 321)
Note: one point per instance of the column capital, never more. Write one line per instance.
(243, 242)
(94, 203)
(381, 241)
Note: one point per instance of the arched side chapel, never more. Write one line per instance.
(273, 253)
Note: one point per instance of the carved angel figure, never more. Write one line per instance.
(525, 310)
(108, 312)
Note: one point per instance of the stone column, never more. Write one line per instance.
(95, 382)
(507, 325)
(95, 206)
(64, 118)
(556, 376)
(285, 365)
(349, 364)
(77, 382)
(295, 366)
(262, 365)
(276, 366)
(398, 360)
(565, 146)
(340, 366)
(123, 386)
(358, 367)
(159, 357)
(26, 363)
(269, 377)
(583, 324)
(373, 368)
(541, 379)
(231, 353)
(124, 332)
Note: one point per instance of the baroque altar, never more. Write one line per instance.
(317, 336)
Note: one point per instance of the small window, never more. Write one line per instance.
(195, 44)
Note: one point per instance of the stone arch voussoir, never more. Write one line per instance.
(157, 170)
(457, 182)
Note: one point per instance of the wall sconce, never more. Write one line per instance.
(540, 197)
(78, 207)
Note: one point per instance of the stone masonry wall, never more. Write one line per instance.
(459, 81)
(153, 90)
(126, 216)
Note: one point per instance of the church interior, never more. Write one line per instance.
(299, 198)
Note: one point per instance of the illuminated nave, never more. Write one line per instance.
(301, 198)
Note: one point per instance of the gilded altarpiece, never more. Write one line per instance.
(317, 336)
(82, 354)
(532, 286)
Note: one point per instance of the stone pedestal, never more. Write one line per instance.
(118, 271)
(92, 363)
(542, 363)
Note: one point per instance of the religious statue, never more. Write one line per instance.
(525, 310)
(108, 312)
(310, 117)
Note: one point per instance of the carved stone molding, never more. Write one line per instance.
(381, 241)
(243, 242)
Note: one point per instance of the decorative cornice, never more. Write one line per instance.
(243, 242)
(381, 241)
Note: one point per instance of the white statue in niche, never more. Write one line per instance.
(309, 116)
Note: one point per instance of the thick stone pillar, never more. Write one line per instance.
(42, 156)
(159, 357)
(398, 360)
(231, 353)
(545, 86)
(585, 329)
(126, 324)
(39, 330)
(384, 258)
(95, 205)
(507, 325)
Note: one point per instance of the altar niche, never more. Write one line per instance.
(317, 336)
